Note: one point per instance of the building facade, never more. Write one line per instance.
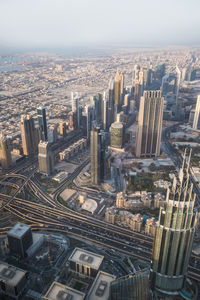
(45, 158)
(117, 134)
(29, 135)
(5, 152)
(150, 124)
(42, 122)
(174, 236)
(97, 154)
(196, 120)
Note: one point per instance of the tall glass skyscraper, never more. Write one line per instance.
(41, 114)
(149, 124)
(97, 153)
(174, 235)
(28, 133)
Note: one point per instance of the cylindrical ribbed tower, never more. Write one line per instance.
(117, 135)
(174, 236)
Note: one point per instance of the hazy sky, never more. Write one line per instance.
(89, 22)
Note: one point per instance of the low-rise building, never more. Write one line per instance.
(85, 262)
(58, 291)
(73, 149)
(12, 280)
(100, 288)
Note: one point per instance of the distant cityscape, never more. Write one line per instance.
(100, 175)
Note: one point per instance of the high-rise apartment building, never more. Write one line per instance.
(150, 124)
(29, 135)
(196, 121)
(97, 153)
(45, 158)
(42, 122)
(5, 152)
(174, 235)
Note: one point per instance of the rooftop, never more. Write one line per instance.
(10, 274)
(100, 287)
(86, 258)
(58, 291)
(18, 230)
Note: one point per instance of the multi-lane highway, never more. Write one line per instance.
(52, 216)
(45, 213)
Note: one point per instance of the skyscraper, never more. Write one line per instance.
(117, 132)
(196, 121)
(28, 133)
(111, 102)
(136, 71)
(177, 83)
(76, 109)
(41, 114)
(174, 235)
(105, 112)
(5, 152)
(149, 124)
(118, 89)
(97, 154)
(45, 158)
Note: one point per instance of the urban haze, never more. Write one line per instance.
(99, 150)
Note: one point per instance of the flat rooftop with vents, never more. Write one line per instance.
(58, 291)
(10, 274)
(87, 258)
(101, 286)
(19, 230)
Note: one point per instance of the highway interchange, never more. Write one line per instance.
(45, 213)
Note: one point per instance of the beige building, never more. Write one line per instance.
(120, 200)
(159, 200)
(150, 124)
(150, 227)
(5, 152)
(110, 215)
(134, 222)
(146, 198)
(29, 135)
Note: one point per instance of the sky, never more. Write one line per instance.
(69, 23)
